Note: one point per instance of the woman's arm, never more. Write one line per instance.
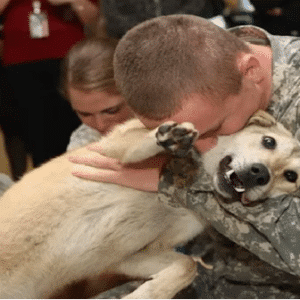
(141, 176)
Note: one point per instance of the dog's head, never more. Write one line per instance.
(261, 161)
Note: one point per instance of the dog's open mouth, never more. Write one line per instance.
(230, 183)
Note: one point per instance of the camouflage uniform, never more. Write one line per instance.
(260, 256)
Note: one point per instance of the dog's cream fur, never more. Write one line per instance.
(56, 229)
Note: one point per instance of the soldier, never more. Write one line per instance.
(184, 68)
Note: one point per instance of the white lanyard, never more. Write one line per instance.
(38, 22)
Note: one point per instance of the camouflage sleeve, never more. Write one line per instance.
(270, 231)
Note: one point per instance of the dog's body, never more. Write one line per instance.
(55, 228)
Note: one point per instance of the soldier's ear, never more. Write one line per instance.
(262, 118)
(250, 67)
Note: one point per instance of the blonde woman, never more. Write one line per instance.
(90, 88)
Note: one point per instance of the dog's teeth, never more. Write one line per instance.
(239, 189)
(229, 173)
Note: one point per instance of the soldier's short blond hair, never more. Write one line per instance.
(159, 62)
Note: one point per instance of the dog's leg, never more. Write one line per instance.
(171, 136)
(143, 149)
(168, 272)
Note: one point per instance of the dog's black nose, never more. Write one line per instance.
(259, 174)
(254, 175)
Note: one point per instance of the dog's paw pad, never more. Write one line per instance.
(177, 138)
(165, 128)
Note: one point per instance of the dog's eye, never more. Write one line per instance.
(269, 142)
(291, 176)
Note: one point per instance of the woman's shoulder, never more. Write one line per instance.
(83, 136)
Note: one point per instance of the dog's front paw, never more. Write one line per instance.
(177, 138)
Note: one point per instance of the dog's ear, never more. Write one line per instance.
(262, 118)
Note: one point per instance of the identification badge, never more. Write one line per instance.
(38, 22)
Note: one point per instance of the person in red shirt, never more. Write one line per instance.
(37, 36)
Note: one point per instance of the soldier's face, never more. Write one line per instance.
(211, 118)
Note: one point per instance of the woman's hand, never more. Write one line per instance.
(95, 166)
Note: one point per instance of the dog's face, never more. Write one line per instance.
(261, 161)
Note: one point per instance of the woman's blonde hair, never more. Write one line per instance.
(89, 65)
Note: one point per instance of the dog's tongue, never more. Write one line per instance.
(244, 199)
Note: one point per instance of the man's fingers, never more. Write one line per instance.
(96, 160)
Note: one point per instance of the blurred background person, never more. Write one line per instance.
(10, 123)
(238, 12)
(122, 15)
(37, 36)
(278, 17)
